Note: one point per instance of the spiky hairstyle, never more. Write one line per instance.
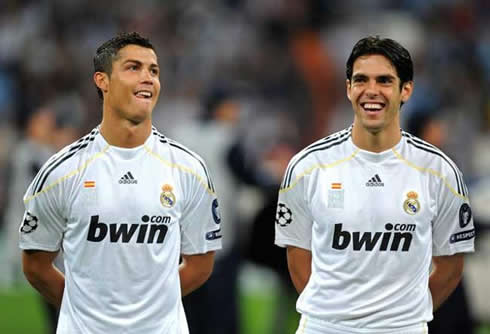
(107, 53)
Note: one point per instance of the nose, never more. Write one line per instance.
(147, 76)
(371, 88)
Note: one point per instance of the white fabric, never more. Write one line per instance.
(121, 263)
(309, 325)
(372, 221)
(213, 149)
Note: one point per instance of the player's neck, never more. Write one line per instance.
(123, 133)
(375, 141)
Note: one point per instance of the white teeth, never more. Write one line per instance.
(376, 106)
(144, 94)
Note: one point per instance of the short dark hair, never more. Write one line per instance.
(107, 52)
(394, 51)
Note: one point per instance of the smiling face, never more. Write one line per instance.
(131, 90)
(375, 94)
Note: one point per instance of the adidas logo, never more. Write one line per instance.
(375, 181)
(128, 178)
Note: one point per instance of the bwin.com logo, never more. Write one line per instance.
(396, 235)
(151, 230)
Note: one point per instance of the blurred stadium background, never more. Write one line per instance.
(282, 64)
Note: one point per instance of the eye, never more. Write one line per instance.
(385, 80)
(155, 71)
(359, 79)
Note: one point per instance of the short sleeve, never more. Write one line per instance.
(43, 225)
(293, 217)
(453, 228)
(201, 218)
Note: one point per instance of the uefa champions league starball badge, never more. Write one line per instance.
(411, 204)
(167, 197)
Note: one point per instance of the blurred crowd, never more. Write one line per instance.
(246, 84)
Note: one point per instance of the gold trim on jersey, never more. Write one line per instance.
(322, 166)
(67, 176)
(182, 168)
(430, 171)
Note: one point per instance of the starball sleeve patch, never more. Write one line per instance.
(30, 223)
(284, 216)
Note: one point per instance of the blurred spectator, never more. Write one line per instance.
(454, 316)
(213, 308)
(44, 130)
(26, 158)
(260, 248)
(428, 126)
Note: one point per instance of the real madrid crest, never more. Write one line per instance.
(411, 204)
(167, 197)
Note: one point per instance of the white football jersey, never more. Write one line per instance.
(372, 221)
(122, 217)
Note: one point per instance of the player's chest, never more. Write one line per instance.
(124, 193)
(372, 198)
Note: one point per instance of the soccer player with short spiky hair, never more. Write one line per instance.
(124, 204)
(366, 211)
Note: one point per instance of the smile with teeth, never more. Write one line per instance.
(144, 94)
(372, 106)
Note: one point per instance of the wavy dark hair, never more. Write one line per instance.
(394, 51)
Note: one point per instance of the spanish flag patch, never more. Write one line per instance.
(89, 184)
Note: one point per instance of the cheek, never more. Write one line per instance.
(355, 96)
(352, 94)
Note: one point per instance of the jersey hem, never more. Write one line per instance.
(210, 249)
(455, 250)
(321, 324)
(291, 242)
(26, 246)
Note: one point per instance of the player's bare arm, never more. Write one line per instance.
(445, 276)
(299, 265)
(42, 274)
(195, 270)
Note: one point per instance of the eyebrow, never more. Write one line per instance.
(381, 76)
(359, 76)
(139, 62)
(386, 76)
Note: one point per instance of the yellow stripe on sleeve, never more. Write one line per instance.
(317, 166)
(182, 168)
(430, 171)
(67, 176)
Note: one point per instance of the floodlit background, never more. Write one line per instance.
(246, 84)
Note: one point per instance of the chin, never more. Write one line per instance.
(373, 127)
(139, 117)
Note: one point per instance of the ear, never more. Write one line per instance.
(101, 80)
(348, 87)
(407, 90)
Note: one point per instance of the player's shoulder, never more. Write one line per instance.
(179, 152)
(323, 151)
(182, 157)
(426, 154)
(62, 163)
(433, 159)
